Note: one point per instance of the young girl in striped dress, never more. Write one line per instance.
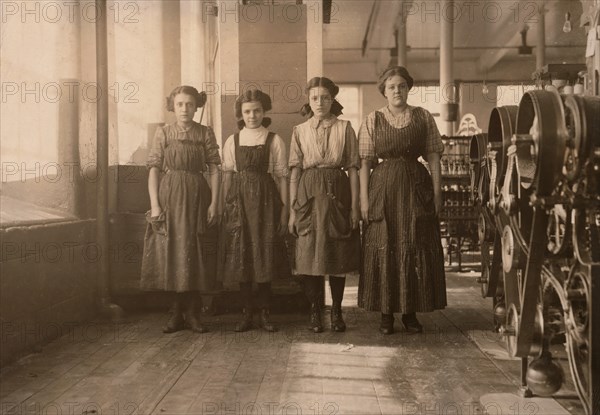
(403, 262)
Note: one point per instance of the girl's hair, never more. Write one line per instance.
(199, 97)
(394, 71)
(336, 107)
(252, 95)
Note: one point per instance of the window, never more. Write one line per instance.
(428, 97)
(350, 98)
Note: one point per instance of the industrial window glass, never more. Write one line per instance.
(350, 98)
(428, 97)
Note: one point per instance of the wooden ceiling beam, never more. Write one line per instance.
(505, 33)
(490, 58)
(387, 22)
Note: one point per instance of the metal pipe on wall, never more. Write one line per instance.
(102, 220)
(446, 69)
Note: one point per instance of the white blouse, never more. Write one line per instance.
(251, 137)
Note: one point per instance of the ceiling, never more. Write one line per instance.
(486, 36)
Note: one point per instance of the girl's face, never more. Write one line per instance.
(185, 108)
(320, 101)
(252, 114)
(396, 91)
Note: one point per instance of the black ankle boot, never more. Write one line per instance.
(175, 322)
(411, 324)
(315, 318)
(313, 287)
(265, 324)
(191, 320)
(387, 324)
(337, 321)
(337, 284)
(246, 323)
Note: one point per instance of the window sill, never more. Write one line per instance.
(17, 213)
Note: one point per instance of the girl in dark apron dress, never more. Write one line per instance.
(255, 216)
(177, 244)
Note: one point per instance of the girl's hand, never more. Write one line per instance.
(212, 214)
(283, 222)
(364, 211)
(354, 217)
(155, 211)
(292, 223)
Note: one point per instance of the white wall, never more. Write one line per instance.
(46, 43)
(31, 87)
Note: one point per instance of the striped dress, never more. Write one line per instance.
(403, 262)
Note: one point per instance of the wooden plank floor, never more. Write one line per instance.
(457, 366)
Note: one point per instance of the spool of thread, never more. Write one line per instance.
(578, 89)
(567, 90)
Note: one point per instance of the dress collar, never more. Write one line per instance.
(181, 129)
(406, 113)
(324, 122)
(254, 131)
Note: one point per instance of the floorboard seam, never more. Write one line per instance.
(170, 381)
(468, 337)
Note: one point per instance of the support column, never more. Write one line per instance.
(540, 50)
(113, 311)
(193, 45)
(446, 69)
(401, 41)
(227, 69)
(314, 40)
